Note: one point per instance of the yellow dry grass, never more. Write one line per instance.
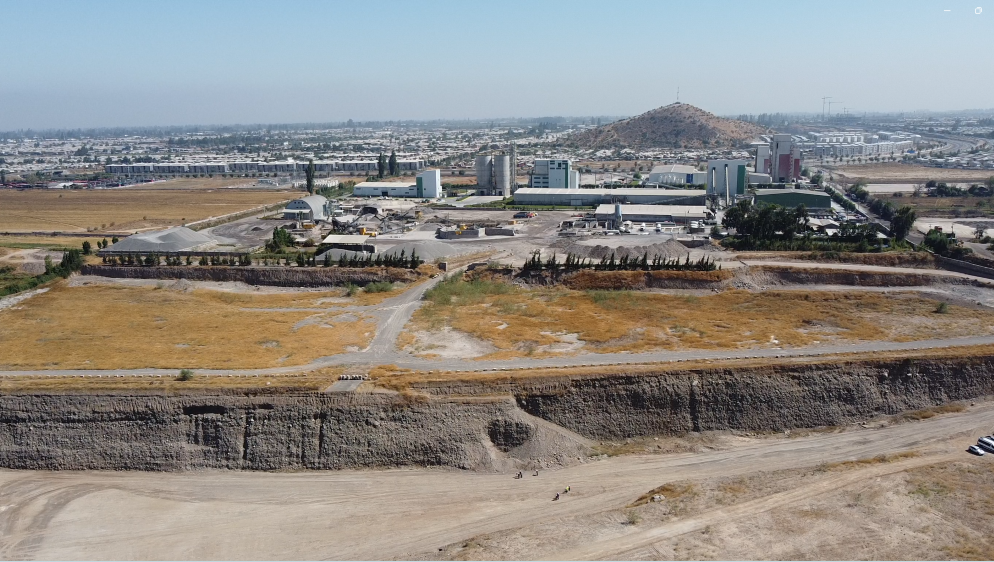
(904, 173)
(396, 378)
(197, 183)
(860, 463)
(116, 327)
(296, 382)
(122, 210)
(536, 322)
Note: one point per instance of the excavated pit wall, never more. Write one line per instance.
(271, 276)
(752, 399)
(284, 432)
(469, 425)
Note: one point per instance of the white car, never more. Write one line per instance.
(975, 450)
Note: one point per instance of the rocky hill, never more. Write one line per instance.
(672, 126)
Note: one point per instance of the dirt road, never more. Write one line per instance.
(412, 513)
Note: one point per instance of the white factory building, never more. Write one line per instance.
(427, 185)
(650, 214)
(676, 174)
(554, 174)
(597, 196)
(727, 179)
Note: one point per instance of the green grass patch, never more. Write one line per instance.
(379, 287)
(456, 290)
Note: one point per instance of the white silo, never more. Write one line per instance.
(484, 171)
(502, 175)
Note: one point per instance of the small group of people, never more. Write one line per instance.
(566, 491)
(521, 475)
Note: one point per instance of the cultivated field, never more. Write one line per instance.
(905, 173)
(126, 327)
(122, 210)
(495, 320)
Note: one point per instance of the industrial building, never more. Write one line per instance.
(554, 174)
(790, 198)
(614, 214)
(781, 159)
(311, 208)
(676, 174)
(351, 242)
(427, 185)
(591, 197)
(727, 179)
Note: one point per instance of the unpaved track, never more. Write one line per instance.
(402, 513)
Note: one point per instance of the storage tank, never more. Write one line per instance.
(502, 175)
(484, 166)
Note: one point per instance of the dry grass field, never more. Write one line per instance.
(511, 322)
(118, 327)
(122, 210)
(906, 173)
(25, 242)
(197, 183)
(291, 382)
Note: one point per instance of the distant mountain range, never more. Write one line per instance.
(672, 126)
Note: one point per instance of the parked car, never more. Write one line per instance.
(975, 450)
(525, 215)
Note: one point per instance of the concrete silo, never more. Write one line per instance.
(502, 175)
(484, 172)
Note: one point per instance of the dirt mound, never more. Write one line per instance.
(672, 126)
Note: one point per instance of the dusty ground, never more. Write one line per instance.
(122, 210)
(497, 320)
(169, 324)
(728, 497)
(909, 174)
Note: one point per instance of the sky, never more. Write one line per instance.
(99, 63)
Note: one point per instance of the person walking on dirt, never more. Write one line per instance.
(556, 498)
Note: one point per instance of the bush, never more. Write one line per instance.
(379, 287)
(942, 308)
(351, 289)
(185, 375)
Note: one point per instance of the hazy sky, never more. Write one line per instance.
(91, 64)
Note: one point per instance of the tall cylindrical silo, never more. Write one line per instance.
(483, 171)
(502, 175)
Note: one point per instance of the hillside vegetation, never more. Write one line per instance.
(672, 126)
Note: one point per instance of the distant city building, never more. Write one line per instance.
(554, 174)
(286, 167)
(676, 174)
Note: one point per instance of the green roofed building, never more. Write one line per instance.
(791, 198)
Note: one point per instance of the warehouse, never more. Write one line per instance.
(427, 185)
(351, 242)
(793, 197)
(310, 208)
(677, 174)
(591, 197)
(651, 214)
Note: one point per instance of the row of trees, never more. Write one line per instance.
(157, 259)
(390, 260)
(625, 263)
(386, 166)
